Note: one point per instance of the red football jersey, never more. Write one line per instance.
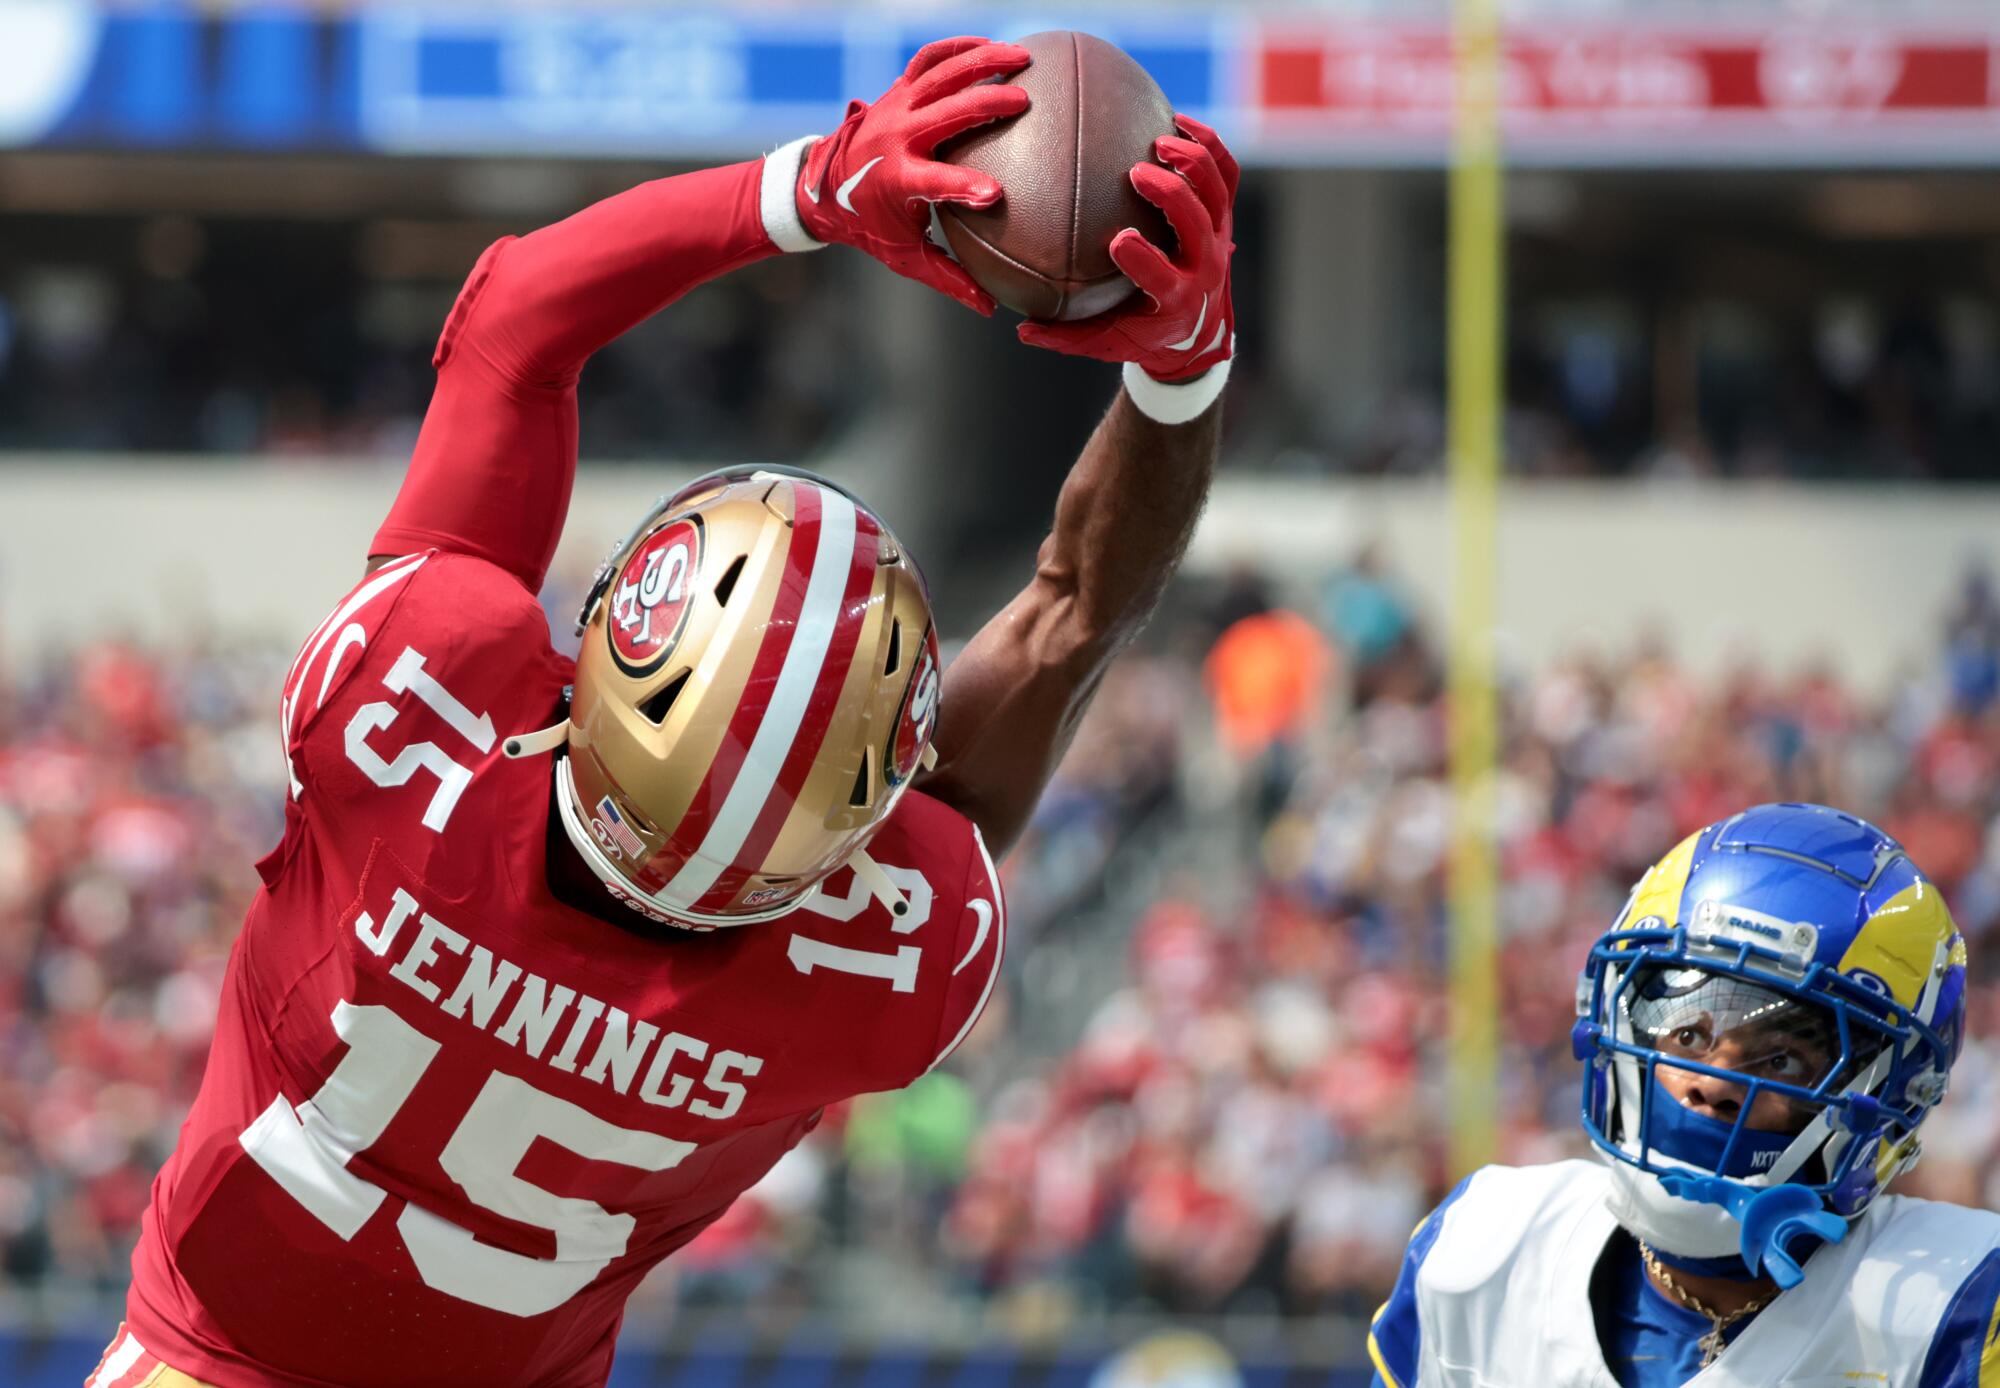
(448, 1122)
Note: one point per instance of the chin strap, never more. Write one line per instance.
(879, 886)
(534, 744)
(1772, 1219)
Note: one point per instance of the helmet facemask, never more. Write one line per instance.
(1795, 1063)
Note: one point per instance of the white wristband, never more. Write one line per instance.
(1175, 402)
(778, 197)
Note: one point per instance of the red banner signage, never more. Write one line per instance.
(1331, 79)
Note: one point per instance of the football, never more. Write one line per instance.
(1044, 250)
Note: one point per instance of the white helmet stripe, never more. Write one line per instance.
(779, 726)
(1927, 1001)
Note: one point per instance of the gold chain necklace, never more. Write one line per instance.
(1711, 1343)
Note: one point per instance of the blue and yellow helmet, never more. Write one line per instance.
(1795, 961)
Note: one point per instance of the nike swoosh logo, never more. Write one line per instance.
(846, 190)
(1189, 341)
(984, 910)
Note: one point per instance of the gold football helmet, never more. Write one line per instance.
(757, 684)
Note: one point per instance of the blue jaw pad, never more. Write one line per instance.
(1701, 1141)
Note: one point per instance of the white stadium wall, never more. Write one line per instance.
(92, 546)
(1860, 576)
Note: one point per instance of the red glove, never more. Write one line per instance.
(871, 182)
(1185, 324)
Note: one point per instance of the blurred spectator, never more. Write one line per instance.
(1267, 675)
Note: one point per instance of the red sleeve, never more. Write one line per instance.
(497, 455)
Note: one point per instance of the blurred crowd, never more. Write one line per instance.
(1846, 391)
(1253, 827)
(271, 338)
(1257, 1118)
(135, 793)
(302, 338)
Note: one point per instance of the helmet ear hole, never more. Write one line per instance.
(727, 583)
(895, 648)
(656, 708)
(864, 790)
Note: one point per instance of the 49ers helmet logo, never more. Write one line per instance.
(649, 600)
(919, 716)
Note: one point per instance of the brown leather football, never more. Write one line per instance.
(1044, 250)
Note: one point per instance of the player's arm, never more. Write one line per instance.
(496, 457)
(1014, 696)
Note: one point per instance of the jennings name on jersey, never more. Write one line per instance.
(448, 1122)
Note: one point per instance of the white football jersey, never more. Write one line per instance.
(1501, 1281)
